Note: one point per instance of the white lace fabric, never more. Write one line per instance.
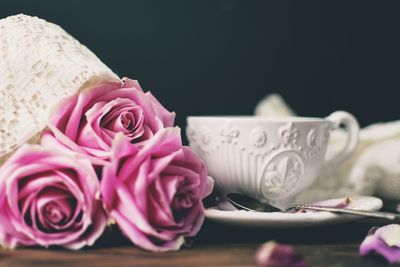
(40, 64)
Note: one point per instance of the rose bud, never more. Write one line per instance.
(49, 198)
(384, 241)
(272, 254)
(155, 193)
(87, 123)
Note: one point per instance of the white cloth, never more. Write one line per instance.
(373, 168)
(39, 65)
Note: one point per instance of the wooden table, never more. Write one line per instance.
(216, 245)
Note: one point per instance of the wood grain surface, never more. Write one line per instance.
(216, 245)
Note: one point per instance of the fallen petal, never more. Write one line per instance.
(384, 241)
(272, 254)
(330, 203)
(335, 203)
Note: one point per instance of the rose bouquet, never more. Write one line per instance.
(110, 154)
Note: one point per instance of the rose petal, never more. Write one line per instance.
(335, 203)
(384, 241)
(88, 122)
(48, 198)
(139, 238)
(157, 192)
(271, 254)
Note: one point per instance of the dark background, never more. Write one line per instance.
(222, 57)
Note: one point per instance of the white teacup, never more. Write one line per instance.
(271, 159)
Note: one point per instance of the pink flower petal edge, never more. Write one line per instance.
(88, 122)
(49, 198)
(384, 241)
(272, 254)
(155, 193)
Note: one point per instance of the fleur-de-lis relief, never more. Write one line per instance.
(229, 135)
(289, 134)
(282, 173)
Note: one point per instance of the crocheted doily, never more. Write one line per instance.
(39, 65)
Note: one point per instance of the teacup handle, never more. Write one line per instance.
(351, 125)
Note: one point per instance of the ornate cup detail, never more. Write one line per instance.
(258, 137)
(281, 174)
(312, 138)
(200, 139)
(289, 134)
(271, 159)
(205, 138)
(191, 134)
(229, 135)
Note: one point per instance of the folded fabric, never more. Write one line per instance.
(373, 168)
(39, 65)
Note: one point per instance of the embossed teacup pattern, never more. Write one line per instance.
(281, 173)
(278, 174)
(269, 160)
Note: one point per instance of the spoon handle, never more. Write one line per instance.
(375, 214)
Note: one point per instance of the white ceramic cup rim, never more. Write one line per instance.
(281, 133)
(240, 118)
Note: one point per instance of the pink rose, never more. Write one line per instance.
(155, 194)
(88, 122)
(49, 198)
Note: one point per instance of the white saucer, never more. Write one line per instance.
(291, 220)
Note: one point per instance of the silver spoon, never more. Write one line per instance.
(244, 202)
